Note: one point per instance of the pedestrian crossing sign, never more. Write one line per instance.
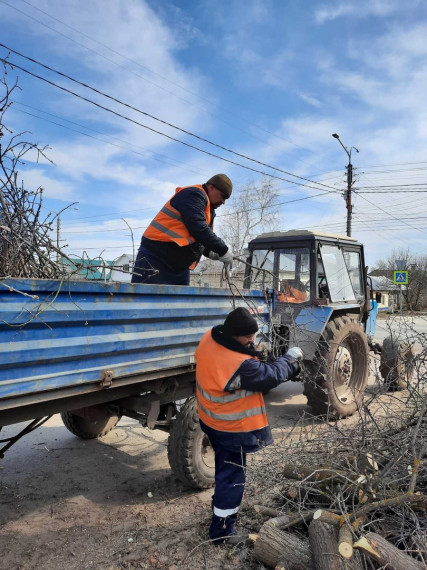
(400, 277)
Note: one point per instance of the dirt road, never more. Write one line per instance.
(111, 504)
(68, 503)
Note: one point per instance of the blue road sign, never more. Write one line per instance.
(400, 277)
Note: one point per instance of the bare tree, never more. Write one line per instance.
(26, 246)
(250, 211)
(415, 294)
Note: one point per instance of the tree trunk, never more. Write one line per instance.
(323, 539)
(379, 549)
(274, 547)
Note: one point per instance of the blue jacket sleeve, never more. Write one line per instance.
(191, 204)
(259, 376)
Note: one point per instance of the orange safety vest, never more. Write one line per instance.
(168, 224)
(239, 411)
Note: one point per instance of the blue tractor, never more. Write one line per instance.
(321, 301)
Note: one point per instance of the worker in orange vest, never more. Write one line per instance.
(181, 232)
(230, 381)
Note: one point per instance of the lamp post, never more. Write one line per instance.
(349, 205)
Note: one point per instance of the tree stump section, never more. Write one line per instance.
(323, 539)
(274, 547)
(380, 550)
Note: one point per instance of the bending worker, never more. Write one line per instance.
(181, 232)
(230, 383)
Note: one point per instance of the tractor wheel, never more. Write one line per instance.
(190, 453)
(397, 363)
(338, 375)
(88, 429)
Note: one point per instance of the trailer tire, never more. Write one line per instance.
(397, 363)
(190, 453)
(336, 379)
(88, 429)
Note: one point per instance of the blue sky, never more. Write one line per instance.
(268, 79)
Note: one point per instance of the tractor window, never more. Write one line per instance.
(337, 275)
(352, 261)
(294, 275)
(262, 272)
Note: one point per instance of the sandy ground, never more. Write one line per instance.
(112, 504)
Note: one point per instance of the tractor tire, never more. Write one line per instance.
(338, 375)
(397, 363)
(88, 429)
(190, 453)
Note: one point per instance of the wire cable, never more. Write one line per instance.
(127, 105)
(154, 73)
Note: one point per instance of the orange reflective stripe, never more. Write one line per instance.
(239, 411)
(168, 225)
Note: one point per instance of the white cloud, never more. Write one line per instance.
(35, 178)
(313, 101)
(356, 9)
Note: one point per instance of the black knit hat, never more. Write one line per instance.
(240, 323)
(223, 183)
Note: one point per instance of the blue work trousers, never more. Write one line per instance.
(230, 480)
(146, 262)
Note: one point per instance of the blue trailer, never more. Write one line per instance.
(95, 352)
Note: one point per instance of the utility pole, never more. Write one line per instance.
(349, 169)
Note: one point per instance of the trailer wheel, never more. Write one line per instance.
(88, 429)
(190, 453)
(338, 375)
(397, 363)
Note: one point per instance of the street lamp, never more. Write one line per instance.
(349, 182)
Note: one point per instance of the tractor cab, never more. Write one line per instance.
(308, 268)
(319, 302)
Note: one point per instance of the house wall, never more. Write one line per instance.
(122, 267)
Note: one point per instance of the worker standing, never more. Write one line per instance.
(230, 380)
(181, 232)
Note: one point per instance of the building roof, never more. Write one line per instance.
(91, 269)
(382, 283)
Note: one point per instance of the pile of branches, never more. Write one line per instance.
(26, 246)
(349, 493)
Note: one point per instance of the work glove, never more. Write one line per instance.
(295, 353)
(214, 256)
(227, 259)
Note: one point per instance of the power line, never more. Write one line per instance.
(394, 217)
(217, 216)
(393, 186)
(173, 162)
(202, 139)
(391, 191)
(155, 73)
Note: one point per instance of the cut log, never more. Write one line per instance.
(287, 521)
(385, 503)
(380, 550)
(328, 517)
(311, 473)
(274, 547)
(267, 511)
(323, 539)
(345, 542)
